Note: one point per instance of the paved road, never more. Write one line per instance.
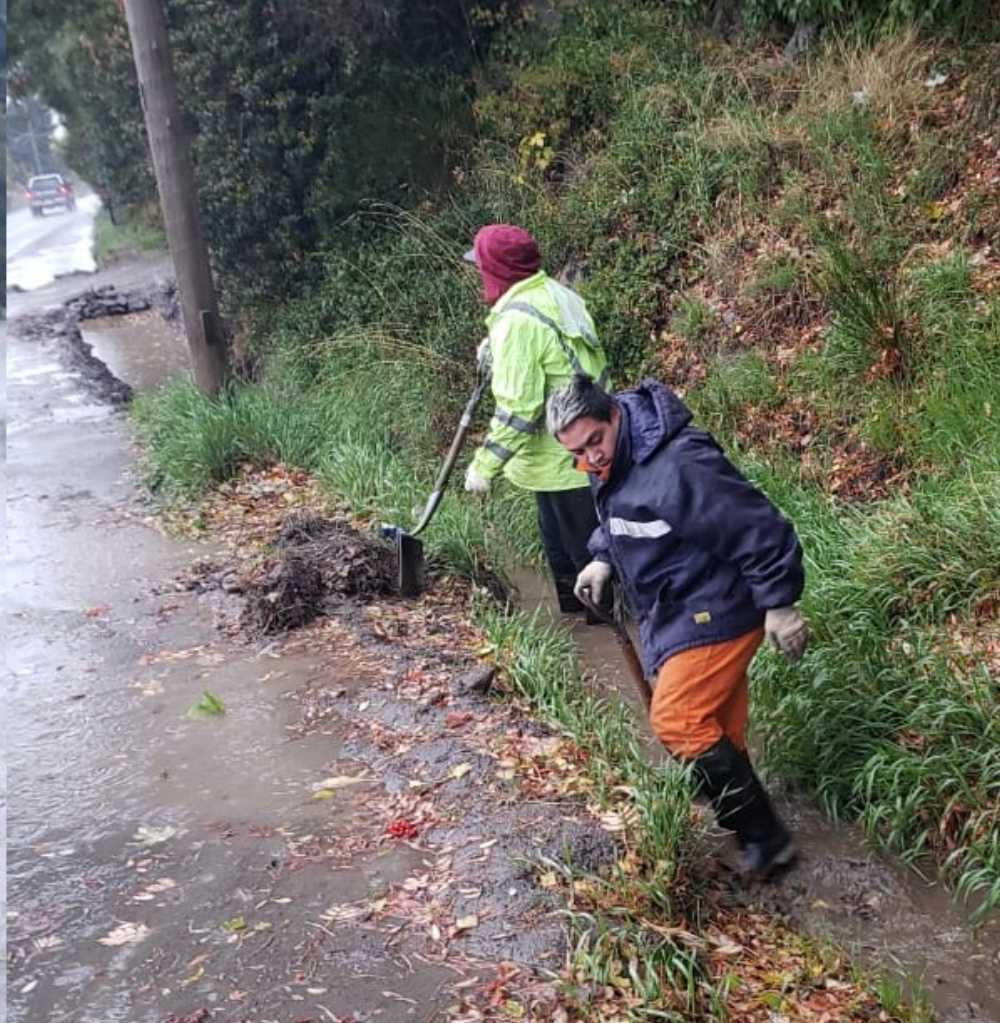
(41, 248)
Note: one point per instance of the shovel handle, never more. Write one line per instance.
(449, 462)
(632, 661)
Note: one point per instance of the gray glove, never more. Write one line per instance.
(591, 581)
(786, 631)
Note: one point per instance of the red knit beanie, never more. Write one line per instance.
(505, 254)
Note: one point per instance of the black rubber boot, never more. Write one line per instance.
(741, 805)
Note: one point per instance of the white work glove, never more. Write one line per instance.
(786, 631)
(474, 483)
(484, 356)
(591, 581)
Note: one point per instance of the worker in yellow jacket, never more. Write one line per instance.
(540, 334)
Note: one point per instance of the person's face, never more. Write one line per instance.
(592, 439)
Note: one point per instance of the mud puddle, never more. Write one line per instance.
(142, 349)
(842, 888)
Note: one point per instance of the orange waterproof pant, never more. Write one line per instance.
(701, 695)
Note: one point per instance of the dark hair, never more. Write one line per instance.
(580, 397)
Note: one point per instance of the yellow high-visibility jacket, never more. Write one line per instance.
(540, 333)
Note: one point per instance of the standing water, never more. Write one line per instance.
(142, 349)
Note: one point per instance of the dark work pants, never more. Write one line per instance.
(566, 518)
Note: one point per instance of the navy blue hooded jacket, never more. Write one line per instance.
(701, 552)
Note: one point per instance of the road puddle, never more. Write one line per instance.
(842, 889)
(141, 349)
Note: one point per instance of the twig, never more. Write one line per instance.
(394, 934)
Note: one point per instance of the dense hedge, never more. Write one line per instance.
(297, 111)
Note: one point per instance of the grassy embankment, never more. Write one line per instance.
(806, 254)
(141, 232)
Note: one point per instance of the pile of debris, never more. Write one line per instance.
(318, 562)
(107, 300)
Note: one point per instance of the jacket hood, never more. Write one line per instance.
(654, 415)
(566, 310)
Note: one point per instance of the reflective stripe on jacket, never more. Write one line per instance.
(700, 552)
(540, 333)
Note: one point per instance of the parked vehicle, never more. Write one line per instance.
(47, 190)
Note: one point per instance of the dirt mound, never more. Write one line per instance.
(319, 562)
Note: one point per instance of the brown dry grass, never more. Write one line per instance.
(891, 76)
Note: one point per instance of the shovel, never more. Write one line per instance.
(409, 550)
(628, 649)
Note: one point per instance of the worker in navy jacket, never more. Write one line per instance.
(709, 568)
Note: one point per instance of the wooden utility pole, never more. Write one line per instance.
(170, 146)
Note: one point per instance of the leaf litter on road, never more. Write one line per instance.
(125, 934)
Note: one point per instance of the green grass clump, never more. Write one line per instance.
(879, 721)
(142, 232)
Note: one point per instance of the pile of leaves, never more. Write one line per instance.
(318, 563)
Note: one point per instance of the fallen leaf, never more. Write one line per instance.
(340, 781)
(234, 924)
(194, 978)
(460, 770)
(154, 836)
(402, 828)
(465, 923)
(125, 934)
(725, 945)
(208, 706)
(161, 885)
(338, 914)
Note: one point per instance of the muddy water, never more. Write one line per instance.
(142, 349)
(842, 889)
(106, 769)
(135, 831)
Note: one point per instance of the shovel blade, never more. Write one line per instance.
(410, 552)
